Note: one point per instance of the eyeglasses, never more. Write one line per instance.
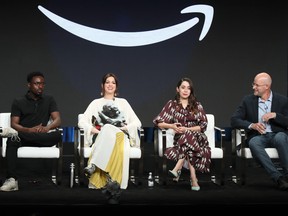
(257, 85)
(39, 83)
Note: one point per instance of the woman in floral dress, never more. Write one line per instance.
(186, 118)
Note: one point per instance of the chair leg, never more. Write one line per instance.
(141, 170)
(243, 171)
(132, 177)
(76, 170)
(218, 171)
(59, 170)
(136, 178)
(239, 176)
(81, 170)
(54, 171)
(222, 171)
(234, 169)
(164, 168)
(132, 174)
(156, 168)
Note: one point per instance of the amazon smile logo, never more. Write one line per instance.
(133, 39)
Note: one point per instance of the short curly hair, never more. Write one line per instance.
(33, 74)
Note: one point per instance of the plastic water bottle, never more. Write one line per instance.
(150, 180)
(72, 166)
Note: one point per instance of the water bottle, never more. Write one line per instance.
(72, 166)
(150, 180)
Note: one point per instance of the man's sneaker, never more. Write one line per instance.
(10, 132)
(89, 170)
(9, 185)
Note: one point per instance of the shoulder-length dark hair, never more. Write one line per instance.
(104, 78)
(192, 100)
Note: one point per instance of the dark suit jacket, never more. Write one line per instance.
(247, 113)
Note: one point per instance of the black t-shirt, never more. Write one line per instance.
(33, 112)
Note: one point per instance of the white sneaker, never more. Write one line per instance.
(10, 132)
(10, 185)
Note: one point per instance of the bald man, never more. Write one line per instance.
(264, 116)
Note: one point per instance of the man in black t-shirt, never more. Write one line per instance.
(34, 118)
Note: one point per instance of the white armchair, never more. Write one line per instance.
(82, 152)
(242, 155)
(55, 153)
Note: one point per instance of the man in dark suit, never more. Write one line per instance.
(264, 115)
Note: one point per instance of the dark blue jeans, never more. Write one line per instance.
(27, 139)
(279, 141)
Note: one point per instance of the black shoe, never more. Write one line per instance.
(113, 200)
(106, 193)
(112, 192)
(89, 170)
(282, 183)
(113, 187)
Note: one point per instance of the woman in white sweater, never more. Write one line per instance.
(111, 127)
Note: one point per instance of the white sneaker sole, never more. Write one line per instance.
(6, 190)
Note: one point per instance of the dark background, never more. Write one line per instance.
(245, 38)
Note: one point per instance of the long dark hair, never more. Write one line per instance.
(192, 100)
(104, 78)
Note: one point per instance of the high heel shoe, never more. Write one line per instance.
(89, 170)
(176, 175)
(194, 188)
(176, 179)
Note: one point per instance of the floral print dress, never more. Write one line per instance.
(191, 144)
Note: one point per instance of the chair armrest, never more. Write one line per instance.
(79, 141)
(142, 136)
(81, 134)
(222, 134)
(164, 140)
(157, 140)
(60, 143)
(79, 154)
(76, 139)
(238, 139)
